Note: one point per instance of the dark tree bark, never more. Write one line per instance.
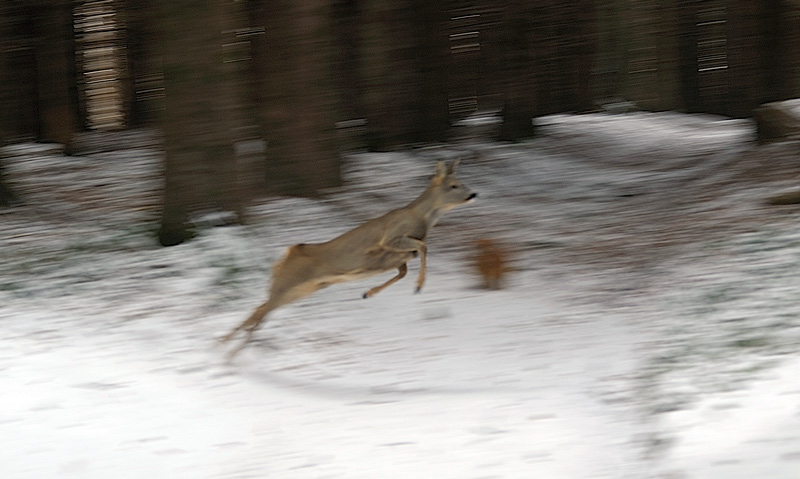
(389, 71)
(404, 56)
(652, 76)
(548, 55)
(520, 89)
(199, 164)
(7, 196)
(745, 74)
(292, 75)
(759, 54)
(583, 50)
(791, 31)
(763, 49)
(569, 31)
(774, 49)
(346, 62)
(140, 75)
(491, 78)
(668, 76)
(433, 122)
(688, 36)
(610, 64)
(55, 65)
(469, 57)
(20, 114)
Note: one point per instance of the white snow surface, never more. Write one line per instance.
(650, 329)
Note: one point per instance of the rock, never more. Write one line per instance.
(777, 121)
(790, 198)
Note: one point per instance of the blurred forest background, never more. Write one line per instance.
(262, 97)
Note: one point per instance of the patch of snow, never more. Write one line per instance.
(753, 432)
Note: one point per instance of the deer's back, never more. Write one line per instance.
(333, 262)
(353, 255)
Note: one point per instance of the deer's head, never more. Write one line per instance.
(448, 189)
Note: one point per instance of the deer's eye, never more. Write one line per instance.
(453, 186)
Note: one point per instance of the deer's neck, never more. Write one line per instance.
(427, 208)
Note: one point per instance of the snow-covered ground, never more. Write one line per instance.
(651, 328)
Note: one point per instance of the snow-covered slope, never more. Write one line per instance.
(647, 331)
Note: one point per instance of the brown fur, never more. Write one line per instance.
(491, 262)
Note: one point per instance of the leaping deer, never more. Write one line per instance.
(381, 244)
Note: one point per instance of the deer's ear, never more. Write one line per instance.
(441, 170)
(451, 168)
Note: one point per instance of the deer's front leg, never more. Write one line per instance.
(423, 255)
(406, 244)
(401, 272)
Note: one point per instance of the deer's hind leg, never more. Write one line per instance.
(249, 326)
(401, 272)
(423, 260)
(278, 297)
(251, 323)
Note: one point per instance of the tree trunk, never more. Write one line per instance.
(404, 55)
(569, 30)
(652, 79)
(433, 121)
(791, 31)
(519, 68)
(746, 77)
(55, 57)
(610, 63)
(140, 74)
(584, 51)
(199, 163)
(774, 48)
(346, 36)
(292, 65)
(7, 196)
(688, 36)
(490, 76)
(764, 53)
(19, 115)
(668, 76)
(389, 73)
(759, 61)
